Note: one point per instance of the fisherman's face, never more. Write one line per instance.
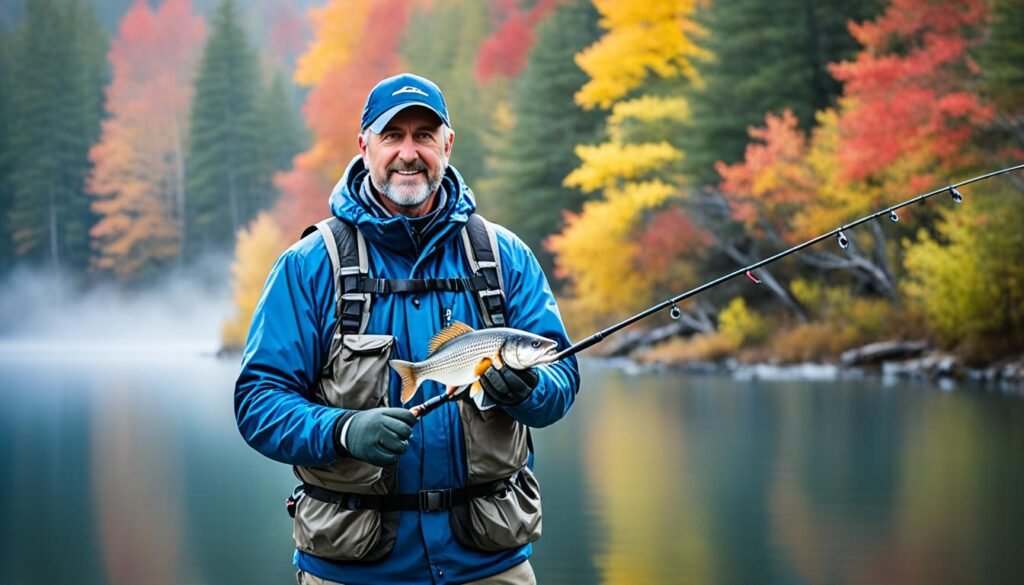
(407, 159)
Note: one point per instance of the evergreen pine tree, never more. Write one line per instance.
(767, 57)
(529, 163)
(6, 250)
(282, 133)
(58, 71)
(1002, 61)
(226, 185)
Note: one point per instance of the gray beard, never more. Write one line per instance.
(403, 198)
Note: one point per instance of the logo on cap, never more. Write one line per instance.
(411, 89)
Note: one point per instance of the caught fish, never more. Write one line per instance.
(459, 355)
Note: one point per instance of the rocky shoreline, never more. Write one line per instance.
(914, 360)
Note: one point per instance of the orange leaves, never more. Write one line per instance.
(356, 46)
(774, 181)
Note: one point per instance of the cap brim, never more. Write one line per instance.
(382, 120)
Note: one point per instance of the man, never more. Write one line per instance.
(386, 497)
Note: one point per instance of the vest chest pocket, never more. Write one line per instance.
(357, 374)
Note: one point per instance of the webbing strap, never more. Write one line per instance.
(424, 500)
(386, 286)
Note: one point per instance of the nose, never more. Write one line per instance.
(407, 151)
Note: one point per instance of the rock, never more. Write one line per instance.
(804, 371)
(875, 353)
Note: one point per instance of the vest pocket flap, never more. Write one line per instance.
(357, 345)
(358, 373)
(502, 521)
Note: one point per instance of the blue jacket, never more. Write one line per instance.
(290, 336)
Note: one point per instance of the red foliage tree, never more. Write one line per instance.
(504, 52)
(909, 99)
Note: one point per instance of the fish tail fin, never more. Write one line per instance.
(407, 371)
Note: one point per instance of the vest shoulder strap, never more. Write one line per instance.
(346, 248)
(480, 243)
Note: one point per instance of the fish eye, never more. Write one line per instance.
(536, 343)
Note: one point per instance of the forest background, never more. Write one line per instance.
(640, 148)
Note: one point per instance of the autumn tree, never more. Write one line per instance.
(258, 246)
(909, 99)
(528, 162)
(355, 47)
(504, 52)
(139, 163)
(55, 104)
(227, 184)
(637, 70)
(967, 278)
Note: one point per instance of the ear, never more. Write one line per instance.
(451, 142)
(364, 145)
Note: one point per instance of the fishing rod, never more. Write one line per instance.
(747, 270)
(953, 190)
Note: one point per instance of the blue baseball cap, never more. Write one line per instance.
(394, 94)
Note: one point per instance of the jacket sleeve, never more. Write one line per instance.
(283, 353)
(530, 306)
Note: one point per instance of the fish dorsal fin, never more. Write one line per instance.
(445, 335)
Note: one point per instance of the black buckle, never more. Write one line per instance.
(351, 502)
(435, 500)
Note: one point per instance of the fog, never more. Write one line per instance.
(181, 312)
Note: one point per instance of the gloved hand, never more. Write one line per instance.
(377, 436)
(508, 386)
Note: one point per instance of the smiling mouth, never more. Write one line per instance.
(408, 173)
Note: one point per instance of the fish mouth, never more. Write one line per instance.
(549, 355)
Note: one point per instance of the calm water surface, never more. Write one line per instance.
(129, 470)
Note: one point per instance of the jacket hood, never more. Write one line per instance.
(395, 232)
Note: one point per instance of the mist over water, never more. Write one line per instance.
(181, 312)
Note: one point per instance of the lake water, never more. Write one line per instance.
(122, 465)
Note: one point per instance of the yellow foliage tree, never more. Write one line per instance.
(339, 29)
(639, 168)
(258, 247)
(643, 38)
(969, 283)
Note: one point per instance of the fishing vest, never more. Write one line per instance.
(348, 510)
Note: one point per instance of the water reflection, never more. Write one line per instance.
(135, 479)
(637, 465)
(132, 471)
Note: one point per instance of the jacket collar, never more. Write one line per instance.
(394, 232)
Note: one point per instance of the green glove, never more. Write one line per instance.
(507, 386)
(377, 436)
